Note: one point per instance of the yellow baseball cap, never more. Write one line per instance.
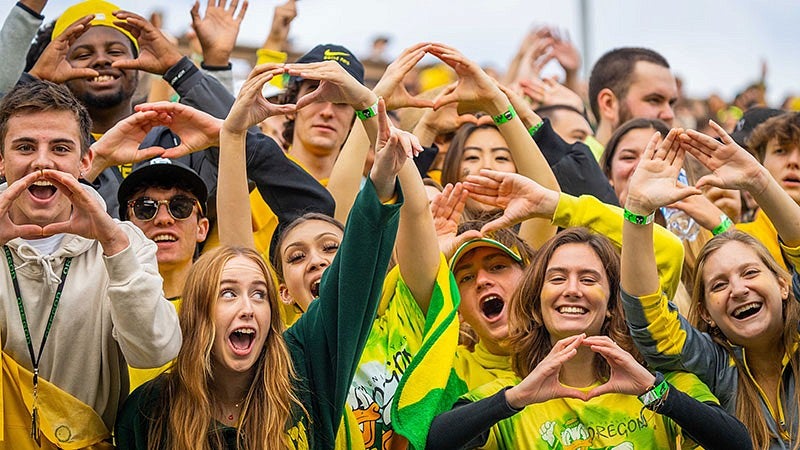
(483, 242)
(103, 16)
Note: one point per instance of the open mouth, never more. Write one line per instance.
(164, 238)
(315, 288)
(572, 310)
(102, 78)
(748, 310)
(242, 339)
(42, 189)
(492, 306)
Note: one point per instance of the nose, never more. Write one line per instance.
(328, 110)
(572, 287)
(667, 114)
(483, 279)
(42, 160)
(739, 288)
(317, 261)
(794, 157)
(246, 311)
(163, 217)
(101, 59)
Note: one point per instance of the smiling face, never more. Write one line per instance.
(626, 158)
(242, 316)
(176, 239)
(97, 49)
(486, 278)
(575, 293)
(743, 297)
(321, 128)
(36, 141)
(783, 163)
(306, 251)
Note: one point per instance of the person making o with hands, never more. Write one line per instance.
(742, 332)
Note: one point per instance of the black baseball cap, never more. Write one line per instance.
(752, 118)
(333, 52)
(161, 172)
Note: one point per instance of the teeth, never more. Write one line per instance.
(164, 238)
(572, 310)
(42, 183)
(102, 78)
(492, 297)
(745, 308)
(245, 331)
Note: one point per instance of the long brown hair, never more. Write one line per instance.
(748, 399)
(529, 338)
(184, 419)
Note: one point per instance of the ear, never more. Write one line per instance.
(86, 162)
(784, 287)
(286, 298)
(706, 316)
(608, 104)
(202, 229)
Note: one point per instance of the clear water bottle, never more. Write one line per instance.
(678, 222)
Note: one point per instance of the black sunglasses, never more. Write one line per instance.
(180, 207)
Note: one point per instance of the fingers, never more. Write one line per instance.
(149, 153)
(465, 237)
(672, 146)
(242, 11)
(726, 138)
(74, 31)
(195, 13)
(652, 144)
(445, 98)
(16, 189)
(384, 123)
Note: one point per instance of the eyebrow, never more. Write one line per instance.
(52, 141)
(494, 149)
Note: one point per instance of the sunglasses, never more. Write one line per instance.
(180, 207)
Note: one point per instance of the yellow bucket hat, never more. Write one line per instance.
(103, 16)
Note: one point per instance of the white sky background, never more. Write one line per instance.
(714, 46)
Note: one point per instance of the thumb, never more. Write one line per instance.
(83, 73)
(417, 102)
(496, 224)
(603, 389)
(384, 128)
(147, 153)
(466, 237)
(445, 99)
(126, 64)
(710, 180)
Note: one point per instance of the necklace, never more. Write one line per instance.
(35, 359)
(232, 415)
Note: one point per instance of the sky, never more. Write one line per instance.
(716, 47)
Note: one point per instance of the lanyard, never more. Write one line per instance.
(34, 359)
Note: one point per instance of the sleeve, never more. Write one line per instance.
(707, 424)
(145, 323)
(792, 256)
(669, 342)
(574, 166)
(131, 428)
(333, 331)
(224, 76)
(289, 190)
(18, 31)
(587, 211)
(467, 425)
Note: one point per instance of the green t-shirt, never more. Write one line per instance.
(611, 421)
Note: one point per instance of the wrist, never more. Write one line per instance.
(231, 131)
(514, 398)
(216, 58)
(637, 207)
(116, 242)
(365, 101)
(725, 223)
(497, 105)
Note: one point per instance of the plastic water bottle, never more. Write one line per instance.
(678, 222)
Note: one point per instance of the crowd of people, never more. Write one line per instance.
(446, 258)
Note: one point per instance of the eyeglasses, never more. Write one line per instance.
(180, 207)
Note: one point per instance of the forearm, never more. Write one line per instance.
(417, 244)
(467, 424)
(638, 271)
(17, 32)
(782, 211)
(345, 179)
(233, 197)
(707, 424)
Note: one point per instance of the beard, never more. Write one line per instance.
(624, 113)
(110, 100)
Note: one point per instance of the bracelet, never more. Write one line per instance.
(654, 396)
(639, 219)
(723, 226)
(505, 116)
(532, 130)
(365, 114)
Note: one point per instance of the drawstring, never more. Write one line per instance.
(29, 255)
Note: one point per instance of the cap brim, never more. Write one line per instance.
(482, 242)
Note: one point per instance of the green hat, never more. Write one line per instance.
(483, 242)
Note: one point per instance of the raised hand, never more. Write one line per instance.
(88, 219)
(394, 147)
(250, 106)
(217, 31)
(53, 66)
(120, 144)
(654, 183)
(475, 90)
(627, 375)
(447, 208)
(197, 130)
(336, 85)
(519, 197)
(8, 229)
(732, 167)
(564, 51)
(281, 21)
(156, 53)
(542, 384)
(391, 86)
(550, 92)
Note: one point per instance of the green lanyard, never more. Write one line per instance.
(35, 360)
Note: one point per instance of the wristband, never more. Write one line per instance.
(639, 219)
(723, 226)
(532, 130)
(505, 116)
(655, 395)
(365, 114)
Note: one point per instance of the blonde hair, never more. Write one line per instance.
(748, 399)
(184, 419)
